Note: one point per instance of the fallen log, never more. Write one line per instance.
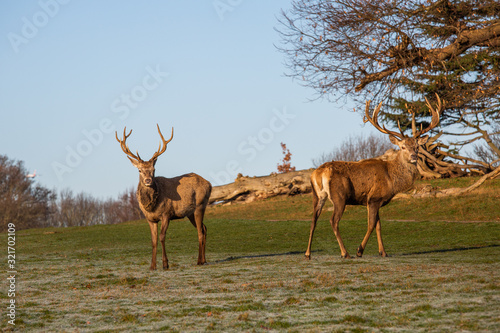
(248, 189)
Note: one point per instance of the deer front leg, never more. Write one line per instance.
(154, 241)
(378, 228)
(163, 233)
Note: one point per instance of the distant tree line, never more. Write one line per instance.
(30, 205)
(356, 148)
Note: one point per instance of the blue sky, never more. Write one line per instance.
(73, 72)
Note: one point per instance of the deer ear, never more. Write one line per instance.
(423, 140)
(134, 162)
(394, 140)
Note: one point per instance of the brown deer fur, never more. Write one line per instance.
(164, 199)
(372, 182)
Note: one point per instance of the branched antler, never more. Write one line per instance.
(435, 117)
(373, 120)
(126, 150)
(161, 149)
(124, 146)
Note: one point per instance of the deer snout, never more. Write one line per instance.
(148, 181)
(413, 158)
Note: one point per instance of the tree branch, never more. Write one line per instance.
(466, 40)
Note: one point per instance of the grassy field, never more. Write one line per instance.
(443, 273)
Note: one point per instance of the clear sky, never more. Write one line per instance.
(74, 71)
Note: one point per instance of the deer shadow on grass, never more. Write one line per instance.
(456, 249)
(233, 258)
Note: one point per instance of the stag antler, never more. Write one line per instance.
(127, 151)
(124, 146)
(161, 149)
(435, 117)
(373, 120)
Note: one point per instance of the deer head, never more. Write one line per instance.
(408, 146)
(146, 168)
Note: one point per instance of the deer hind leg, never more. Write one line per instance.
(373, 221)
(197, 221)
(338, 211)
(154, 241)
(318, 203)
(163, 233)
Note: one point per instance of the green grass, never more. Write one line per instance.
(440, 276)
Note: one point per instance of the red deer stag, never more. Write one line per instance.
(164, 199)
(370, 182)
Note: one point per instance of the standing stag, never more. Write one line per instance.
(370, 182)
(164, 199)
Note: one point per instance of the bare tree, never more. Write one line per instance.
(402, 51)
(22, 201)
(83, 209)
(29, 205)
(125, 208)
(78, 210)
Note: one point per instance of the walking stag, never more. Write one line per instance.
(370, 182)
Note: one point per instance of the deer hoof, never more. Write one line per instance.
(152, 268)
(383, 254)
(308, 257)
(360, 252)
(346, 256)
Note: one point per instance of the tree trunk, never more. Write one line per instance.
(248, 189)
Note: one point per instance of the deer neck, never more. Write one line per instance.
(148, 196)
(403, 173)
